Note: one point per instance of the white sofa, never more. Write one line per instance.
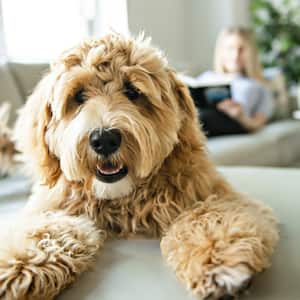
(278, 144)
(135, 270)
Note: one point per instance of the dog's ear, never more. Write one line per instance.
(30, 134)
(182, 94)
(190, 130)
(4, 113)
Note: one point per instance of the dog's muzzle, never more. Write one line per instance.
(105, 142)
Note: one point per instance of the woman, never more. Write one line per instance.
(251, 105)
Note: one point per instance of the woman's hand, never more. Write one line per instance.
(231, 108)
(236, 111)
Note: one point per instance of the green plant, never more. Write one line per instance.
(277, 27)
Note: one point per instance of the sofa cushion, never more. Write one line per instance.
(9, 91)
(135, 270)
(278, 144)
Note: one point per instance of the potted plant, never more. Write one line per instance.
(276, 24)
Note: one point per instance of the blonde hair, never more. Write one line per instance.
(252, 68)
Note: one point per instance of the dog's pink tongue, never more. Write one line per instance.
(108, 168)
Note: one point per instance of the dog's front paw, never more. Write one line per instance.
(45, 254)
(223, 283)
(15, 280)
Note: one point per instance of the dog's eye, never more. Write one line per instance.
(131, 92)
(80, 96)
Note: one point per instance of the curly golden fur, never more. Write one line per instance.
(214, 238)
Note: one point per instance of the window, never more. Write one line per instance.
(38, 30)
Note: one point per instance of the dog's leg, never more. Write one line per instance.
(42, 254)
(216, 247)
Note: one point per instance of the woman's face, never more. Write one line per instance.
(233, 54)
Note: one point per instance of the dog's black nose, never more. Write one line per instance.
(105, 141)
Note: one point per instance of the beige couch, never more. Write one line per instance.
(135, 270)
(278, 144)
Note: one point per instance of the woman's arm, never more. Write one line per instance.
(236, 111)
(253, 123)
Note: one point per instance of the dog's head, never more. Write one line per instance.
(109, 112)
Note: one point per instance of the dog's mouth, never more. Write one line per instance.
(109, 172)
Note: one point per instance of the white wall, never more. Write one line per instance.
(186, 29)
(164, 21)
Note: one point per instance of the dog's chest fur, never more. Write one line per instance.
(147, 211)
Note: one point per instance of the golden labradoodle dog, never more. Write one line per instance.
(113, 142)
